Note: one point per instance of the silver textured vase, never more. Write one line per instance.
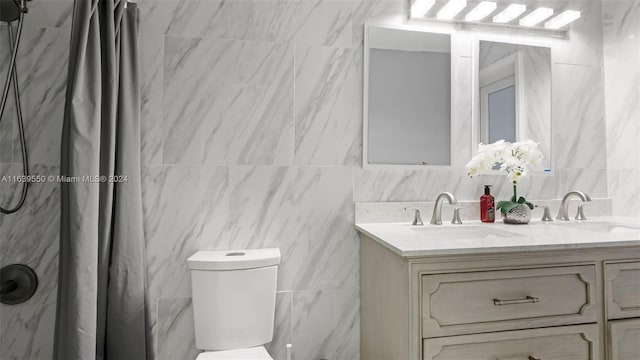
(520, 214)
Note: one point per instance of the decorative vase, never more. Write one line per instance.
(520, 214)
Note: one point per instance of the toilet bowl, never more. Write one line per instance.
(234, 293)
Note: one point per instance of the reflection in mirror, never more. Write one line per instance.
(514, 89)
(408, 99)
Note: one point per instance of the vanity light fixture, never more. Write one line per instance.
(511, 12)
(536, 16)
(420, 8)
(481, 11)
(451, 9)
(563, 19)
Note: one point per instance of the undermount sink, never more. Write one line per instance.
(467, 232)
(601, 227)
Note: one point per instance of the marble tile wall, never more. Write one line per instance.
(31, 235)
(252, 137)
(621, 38)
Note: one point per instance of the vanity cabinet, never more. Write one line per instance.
(622, 292)
(529, 304)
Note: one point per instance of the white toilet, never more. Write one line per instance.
(234, 297)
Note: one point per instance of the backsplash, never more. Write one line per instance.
(394, 212)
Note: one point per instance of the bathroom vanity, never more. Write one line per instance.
(561, 290)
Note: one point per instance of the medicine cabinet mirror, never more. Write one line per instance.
(513, 94)
(407, 98)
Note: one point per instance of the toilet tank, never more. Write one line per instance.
(234, 295)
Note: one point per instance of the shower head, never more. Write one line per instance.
(10, 10)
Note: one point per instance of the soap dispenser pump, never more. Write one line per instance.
(487, 206)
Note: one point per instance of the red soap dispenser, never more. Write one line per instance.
(487, 206)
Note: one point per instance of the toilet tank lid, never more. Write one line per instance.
(234, 259)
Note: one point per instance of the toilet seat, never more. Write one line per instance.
(253, 353)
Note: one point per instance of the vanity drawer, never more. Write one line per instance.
(623, 290)
(624, 339)
(464, 303)
(558, 343)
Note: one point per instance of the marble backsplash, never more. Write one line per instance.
(394, 212)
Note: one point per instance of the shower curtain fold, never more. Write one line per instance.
(101, 311)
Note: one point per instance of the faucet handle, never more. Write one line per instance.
(417, 219)
(580, 213)
(456, 216)
(546, 215)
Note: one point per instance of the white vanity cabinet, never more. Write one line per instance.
(564, 304)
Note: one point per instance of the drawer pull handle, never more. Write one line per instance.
(527, 300)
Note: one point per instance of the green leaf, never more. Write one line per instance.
(521, 200)
(506, 206)
(530, 205)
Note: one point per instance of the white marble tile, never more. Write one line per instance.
(234, 108)
(42, 74)
(377, 212)
(324, 250)
(185, 210)
(537, 88)
(623, 189)
(49, 13)
(192, 78)
(315, 22)
(367, 10)
(591, 181)
(262, 208)
(26, 332)
(621, 37)
(282, 326)
(397, 185)
(328, 105)
(251, 120)
(30, 236)
(584, 46)
(196, 18)
(176, 330)
(463, 112)
(579, 135)
(326, 324)
(151, 48)
(535, 186)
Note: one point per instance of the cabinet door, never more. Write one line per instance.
(558, 343)
(624, 339)
(623, 290)
(486, 301)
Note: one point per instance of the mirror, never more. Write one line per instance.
(407, 105)
(514, 94)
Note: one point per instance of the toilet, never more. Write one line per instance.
(234, 297)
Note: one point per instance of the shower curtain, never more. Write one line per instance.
(101, 281)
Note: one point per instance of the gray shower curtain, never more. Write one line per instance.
(101, 282)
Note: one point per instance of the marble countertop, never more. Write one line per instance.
(475, 237)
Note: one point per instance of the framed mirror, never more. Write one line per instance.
(513, 95)
(407, 98)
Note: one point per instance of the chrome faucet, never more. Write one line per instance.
(436, 218)
(417, 219)
(563, 213)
